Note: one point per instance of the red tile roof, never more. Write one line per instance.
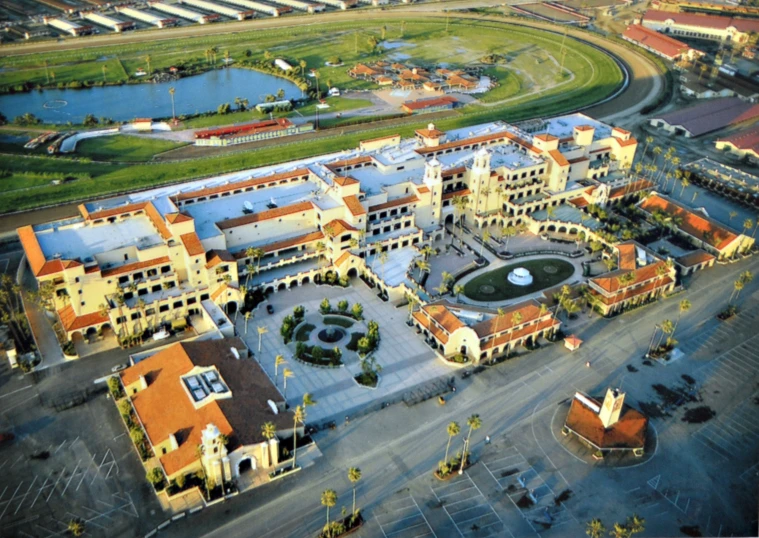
(354, 205)
(665, 45)
(338, 227)
(266, 215)
(72, 322)
(216, 257)
(32, 248)
(703, 21)
(342, 258)
(242, 185)
(712, 115)
(345, 180)
(394, 203)
(692, 223)
(629, 432)
(444, 317)
(192, 243)
(348, 162)
(694, 258)
(436, 331)
(744, 140)
(422, 104)
(635, 186)
(157, 220)
(245, 129)
(452, 194)
(631, 292)
(529, 311)
(558, 157)
(114, 212)
(524, 332)
(286, 243)
(175, 218)
(476, 140)
(136, 266)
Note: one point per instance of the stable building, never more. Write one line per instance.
(250, 132)
(660, 44)
(742, 144)
(210, 395)
(433, 104)
(698, 26)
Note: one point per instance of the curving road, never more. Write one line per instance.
(644, 84)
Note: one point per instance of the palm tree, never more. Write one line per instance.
(747, 225)
(619, 531)
(299, 417)
(684, 307)
(279, 360)
(703, 69)
(474, 422)
(383, 260)
(329, 499)
(459, 205)
(509, 232)
(423, 267)
(172, 91)
(453, 430)
(732, 214)
(104, 69)
(516, 319)
(667, 327)
(262, 330)
(247, 318)
(268, 430)
(570, 307)
(147, 61)
(738, 286)
(636, 524)
(595, 528)
(354, 475)
(303, 66)
(458, 290)
(286, 374)
(427, 251)
(484, 239)
(649, 140)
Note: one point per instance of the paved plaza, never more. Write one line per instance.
(405, 360)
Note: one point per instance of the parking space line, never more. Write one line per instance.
(55, 485)
(70, 478)
(15, 391)
(710, 448)
(9, 501)
(424, 517)
(39, 491)
(406, 528)
(25, 494)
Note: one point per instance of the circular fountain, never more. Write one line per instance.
(520, 277)
(331, 334)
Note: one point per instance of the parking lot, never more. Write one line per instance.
(401, 517)
(468, 509)
(76, 463)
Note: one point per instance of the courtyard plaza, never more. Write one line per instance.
(405, 360)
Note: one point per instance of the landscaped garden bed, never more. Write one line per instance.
(304, 331)
(370, 370)
(339, 321)
(344, 527)
(727, 313)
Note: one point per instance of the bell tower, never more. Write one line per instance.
(612, 407)
(214, 455)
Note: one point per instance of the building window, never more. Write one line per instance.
(126, 257)
(177, 304)
(192, 300)
(204, 297)
(164, 308)
(136, 315)
(142, 291)
(76, 280)
(166, 269)
(123, 279)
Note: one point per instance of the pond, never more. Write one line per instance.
(495, 286)
(195, 94)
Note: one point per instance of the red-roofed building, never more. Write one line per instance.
(207, 394)
(660, 44)
(481, 333)
(433, 104)
(250, 132)
(702, 231)
(741, 144)
(607, 425)
(698, 26)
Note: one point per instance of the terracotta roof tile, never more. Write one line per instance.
(694, 258)
(348, 162)
(406, 200)
(422, 104)
(32, 248)
(692, 223)
(354, 205)
(242, 185)
(116, 211)
(558, 157)
(344, 180)
(524, 332)
(631, 292)
(215, 257)
(443, 316)
(269, 214)
(436, 331)
(338, 227)
(453, 194)
(175, 218)
(286, 243)
(157, 220)
(136, 266)
(666, 45)
(221, 289)
(423, 189)
(192, 243)
(545, 137)
(529, 310)
(492, 137)
(629, 432)
(72, 322)
(342, 258)
(635, 186)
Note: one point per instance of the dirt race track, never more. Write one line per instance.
(645, 82)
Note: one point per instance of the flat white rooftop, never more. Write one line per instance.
(81, 241)
(563, 126)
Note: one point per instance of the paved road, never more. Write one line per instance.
(397, 447)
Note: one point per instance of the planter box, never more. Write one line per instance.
(276, 475)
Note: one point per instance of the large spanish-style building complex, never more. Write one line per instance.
(139, 260)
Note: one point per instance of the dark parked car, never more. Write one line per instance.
(269, 309)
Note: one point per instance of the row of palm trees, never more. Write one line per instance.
(668, 328)
(329, 500)
(453, 429)
(634, 525)
(744, 278)
(269, 430)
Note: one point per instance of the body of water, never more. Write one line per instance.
(195, 94)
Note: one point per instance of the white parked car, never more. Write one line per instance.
(119, 367)
(161, 335)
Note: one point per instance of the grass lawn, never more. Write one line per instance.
(336, 104)
(509, 84)
(123, 148)
(594, 75)
(24, 181)
(494, 285)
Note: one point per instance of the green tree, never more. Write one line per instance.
(76, 527)
(299, 417)
(329, 499)
(137, 435)
(358, 311)
(155, 476)
(475, 423)
(354, 475)
(342, 306)
(325, 307)
(595, 528)
(268, 430)
(453, 430)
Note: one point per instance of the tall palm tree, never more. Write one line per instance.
(683, 307)
(667, 327)
(104, 69)
(619, 531)
(247, 318)
(268, 430)
(427, 251)
(299, 417)
(474, 422)
(329, 499)
(423, 267)
(303, 66)
(147, 61)
(458, 290)
(279, 360)
(262, 330)
(649, 140)
(508, 233)
(595, 528)
(747, 225)
(732, 215)
(354, 475)
(286, 374)
(383, 260)
(172, 91)
(453, 430)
